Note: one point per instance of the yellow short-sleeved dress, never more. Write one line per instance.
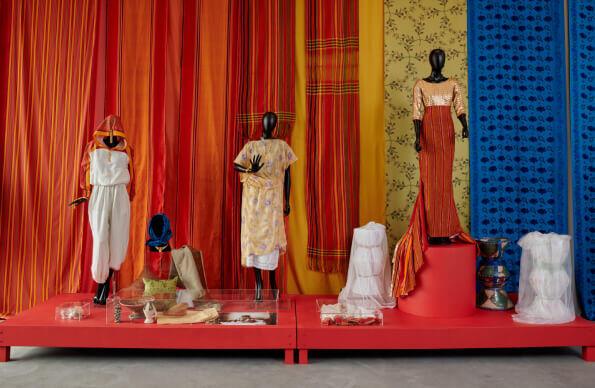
(263, 230)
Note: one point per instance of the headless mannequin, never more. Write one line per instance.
(437, 60)
(102, 293)
(269, 122)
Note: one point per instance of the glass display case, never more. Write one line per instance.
(215, 307)
(333, 313)
(73, 311)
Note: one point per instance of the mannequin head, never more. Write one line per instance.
(269, 122)
(111, 141)
(159, 233)
(437, 59)
(112, 122)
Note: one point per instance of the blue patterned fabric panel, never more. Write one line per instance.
(517, 107)
(582, 99)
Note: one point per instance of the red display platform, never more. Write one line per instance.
(483, 329)
(445, 283)
(37, 327)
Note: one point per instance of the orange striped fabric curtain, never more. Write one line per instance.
(48, 74)
(263, 38)
(261, 79)
(332, 92)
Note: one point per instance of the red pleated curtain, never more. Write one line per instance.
(174, 71)
(49, 77)
(332, 95)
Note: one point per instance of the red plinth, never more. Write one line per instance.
(37, 327)
(4, 353)
(445, 284)
(484, 329)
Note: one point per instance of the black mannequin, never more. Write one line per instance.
(111, 141)
(437, 59)
(269, 122)
(102, 292)
(158, 225)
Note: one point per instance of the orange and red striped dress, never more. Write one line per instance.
(434, 213)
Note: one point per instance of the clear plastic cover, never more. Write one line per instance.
(340, 314)
(222, 307)
(73, 311)
(369, 275)
(545, 287)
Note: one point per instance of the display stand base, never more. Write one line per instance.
(445, 283)
(37, 327)
(4, 353)
(482, 329)
(298, 328)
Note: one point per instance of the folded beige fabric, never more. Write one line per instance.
(190, 317)
(184, 266)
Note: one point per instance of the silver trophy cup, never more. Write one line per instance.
(493, 275)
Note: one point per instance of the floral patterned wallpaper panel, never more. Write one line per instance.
(412, 28)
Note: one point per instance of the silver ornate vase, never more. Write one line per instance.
(493, 275)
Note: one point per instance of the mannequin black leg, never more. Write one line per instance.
(98, 293)
(439, 240)
(105, 290)
(258, 278)
(273, 280)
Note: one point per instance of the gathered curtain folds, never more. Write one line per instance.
(263, 50)
(582, 116)
(332, 131)
(49, 79)
(175, 72)
(261, 79)
(518, 136)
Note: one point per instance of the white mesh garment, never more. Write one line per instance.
(369, 274)
(545, 286)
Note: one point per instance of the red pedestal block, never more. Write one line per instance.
(445, 283)
(4, 353)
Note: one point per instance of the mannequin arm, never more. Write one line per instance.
(463, 120)
(286, 191)
(255, 166)
(131, 184)
(78, 201)
(417, 127)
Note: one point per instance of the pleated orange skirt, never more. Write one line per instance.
(435, 167)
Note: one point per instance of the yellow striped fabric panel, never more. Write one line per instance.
(372, 197)
(372, 165)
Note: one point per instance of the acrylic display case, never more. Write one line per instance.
(333, 313)
(73, 311)
(215, 307)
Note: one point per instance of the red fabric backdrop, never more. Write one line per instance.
(169, 69)
(332, 93)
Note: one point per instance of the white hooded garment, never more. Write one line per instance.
(106, 174)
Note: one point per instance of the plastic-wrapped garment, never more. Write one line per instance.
(369, 276)
(545, 288)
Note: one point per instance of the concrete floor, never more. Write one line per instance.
(539, 368)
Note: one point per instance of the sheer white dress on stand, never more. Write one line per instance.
(545, 287)
(369, 275)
